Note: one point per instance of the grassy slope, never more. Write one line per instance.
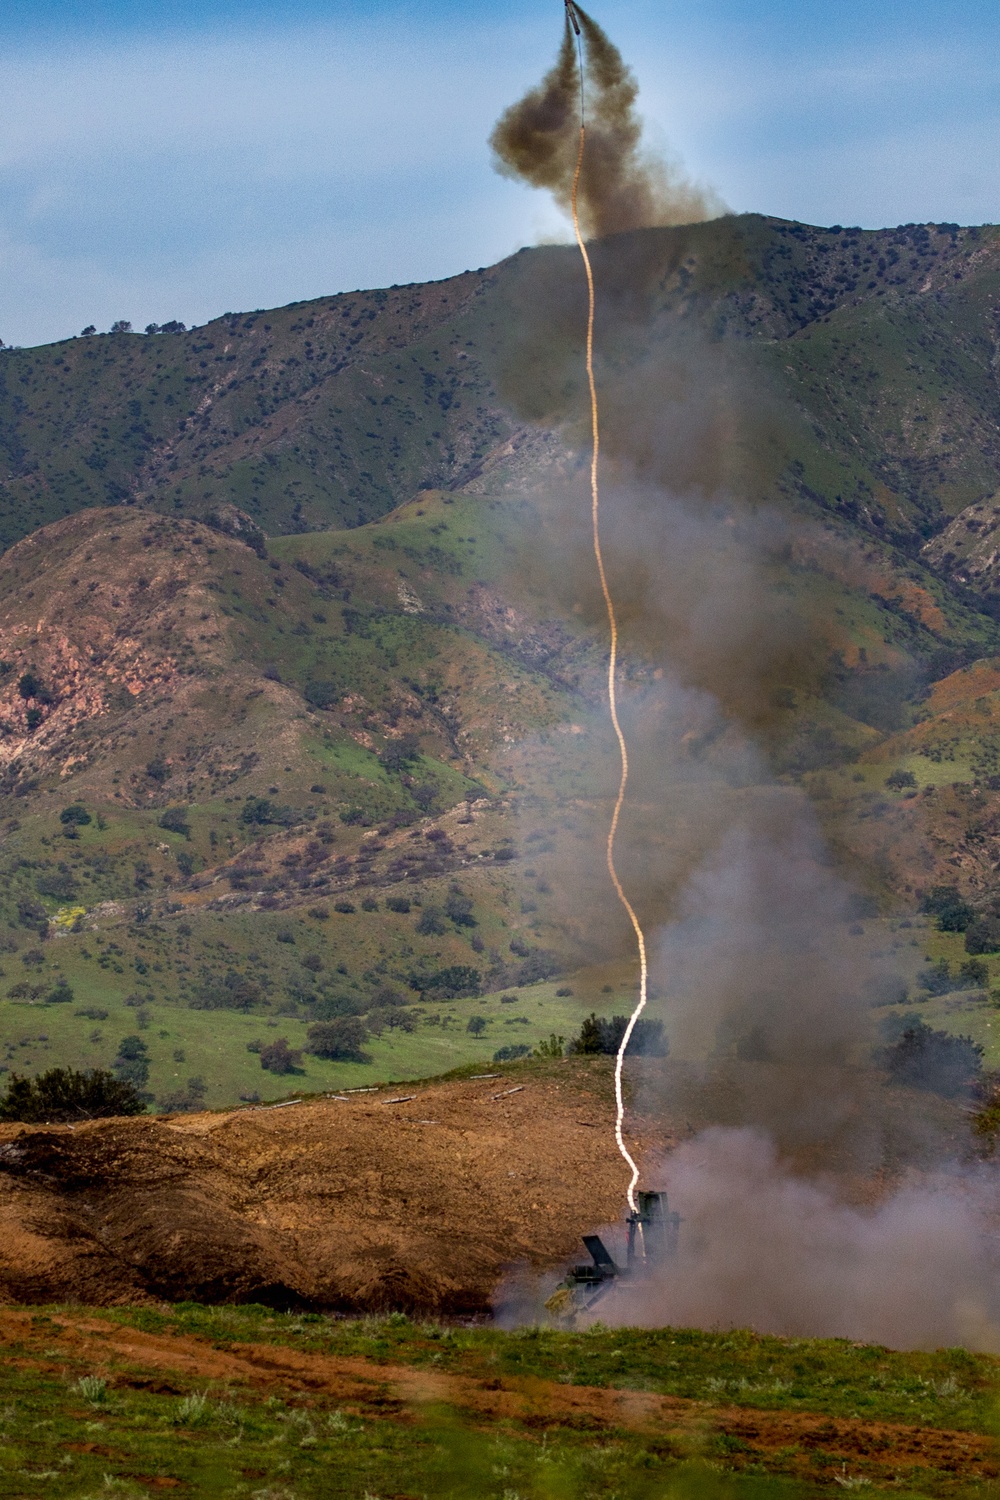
(159, 1420)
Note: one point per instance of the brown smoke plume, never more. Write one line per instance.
(622, 186)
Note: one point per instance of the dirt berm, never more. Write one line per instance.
(360, 1204)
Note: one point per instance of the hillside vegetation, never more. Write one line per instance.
(300, 702)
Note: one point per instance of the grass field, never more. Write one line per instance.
(246, 1402)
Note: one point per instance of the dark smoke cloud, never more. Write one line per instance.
(622, 186)
(765, 1248)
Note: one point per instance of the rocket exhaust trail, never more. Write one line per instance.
(595, 505)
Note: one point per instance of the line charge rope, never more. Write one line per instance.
(612, 669)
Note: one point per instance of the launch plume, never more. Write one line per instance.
(622, 185)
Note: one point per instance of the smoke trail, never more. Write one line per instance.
(622, 186)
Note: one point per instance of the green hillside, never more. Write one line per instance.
(301, 683)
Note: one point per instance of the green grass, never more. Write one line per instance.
(71, 1430)
(214, 1042)
(948, 1388)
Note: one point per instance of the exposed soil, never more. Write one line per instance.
(802, 1443)
(354, 1204)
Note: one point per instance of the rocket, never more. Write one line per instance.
(571, 16)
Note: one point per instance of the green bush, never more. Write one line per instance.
(950, 908)
(75, 814)
(455, 982)
(511, 1053)
(62, 1095)
(599, 1035)
(340, 1040)
(983, 935)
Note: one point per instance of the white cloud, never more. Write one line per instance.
(180, 176)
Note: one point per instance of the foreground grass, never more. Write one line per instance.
(948, 1388)
(81, 1418)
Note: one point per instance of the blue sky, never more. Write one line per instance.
(184, 158)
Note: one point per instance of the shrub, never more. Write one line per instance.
(458, 909)
(184, 1101)
(174, 820)
(550, 1046)
(897, 780)
(60, 994)
(401, 753)
(341, 1040)
(599, 1035)
(62, 1094)
(974, 974)
(950, 908)
(346, 908)
(332, 1006)
(321, 694)
(563, 992)
(397, 903)
(75, 814)
(392, 1017)
(258, 812)
(284, 935)
(936, 978)
(58, 884)
(132, 1064)
(369, 904)
(983, 935)
(511, 1053)
(455, 982)
(157, 770)
(279, 1057)
(321, 913)
(932, 1060)
(539, 965)
(431, 922)
(312, 962)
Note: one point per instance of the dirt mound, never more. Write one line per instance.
(365, 1203)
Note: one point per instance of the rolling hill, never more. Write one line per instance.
(300, 680)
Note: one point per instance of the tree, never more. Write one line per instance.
(121, 325)
(947, 904)
(341, 1039)
(62, 1094)
(974, 973)
(458, 909)
(476, 1025)
(91, 328)
(897, 780)
(132, 1063)
(279, 1057)
(29, 685)
(400, 754)
(983, 935)
(76, 815)
(431, 922)
(932, 1060)
(174, 820)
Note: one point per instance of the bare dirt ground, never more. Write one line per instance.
(364, 1203)
(874, 1451)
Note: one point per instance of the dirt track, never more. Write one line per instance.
(131, 1357)
(355, 1205)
